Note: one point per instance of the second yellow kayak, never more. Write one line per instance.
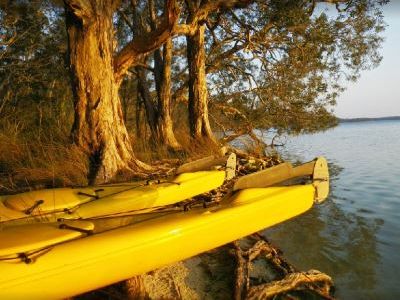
(71, 203)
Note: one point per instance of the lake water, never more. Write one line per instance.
(354, 236)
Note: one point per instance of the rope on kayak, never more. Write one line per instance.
(138, 212)
(128, 188)
(25, 258)
(90, 195)
(30, 210)
(173, 208)
(30, 257)
(66, 226)
(158, 181)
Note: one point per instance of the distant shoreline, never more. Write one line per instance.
(347, 120)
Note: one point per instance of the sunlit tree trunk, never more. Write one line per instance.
(96, 75)
(164, 122)
(158, 107)
(198, 96)
(162, 76)
(98, 128)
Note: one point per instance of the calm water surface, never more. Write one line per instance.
(355, 235)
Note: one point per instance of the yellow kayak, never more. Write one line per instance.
(76, 259)
(66, 258)
(71, 203)
(91, 262)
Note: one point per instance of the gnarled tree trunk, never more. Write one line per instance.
(198, 96)
(98, 127)
(96, 75)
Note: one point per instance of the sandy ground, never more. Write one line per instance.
(206, 276)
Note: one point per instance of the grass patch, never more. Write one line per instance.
(36, 164)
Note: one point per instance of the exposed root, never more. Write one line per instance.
(313, 280)
(287, 278)
(242, 278)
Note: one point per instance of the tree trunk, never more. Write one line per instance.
(148, 103)
(162, 76)
(165, 124)
(200, 128)
(98, 127)
(158, 113)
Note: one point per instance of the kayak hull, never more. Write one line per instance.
(95, 261)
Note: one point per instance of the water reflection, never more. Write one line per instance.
(340, 243)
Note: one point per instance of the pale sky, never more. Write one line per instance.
(377, 92)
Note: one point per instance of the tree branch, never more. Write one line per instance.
(126, 20)
(146, 43)
(200, 15)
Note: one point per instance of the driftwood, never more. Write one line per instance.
(291, 282)
(242, 281)
(288, 279)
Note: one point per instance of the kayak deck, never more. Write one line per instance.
(147, 198)
(69, 203)
(26, 238)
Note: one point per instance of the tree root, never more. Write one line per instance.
(294, 281)
(242, 278)
(287, 278)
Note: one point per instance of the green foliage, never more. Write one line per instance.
(292, 61)
(34, 83)
(35, 100)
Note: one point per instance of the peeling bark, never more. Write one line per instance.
(96, 75)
